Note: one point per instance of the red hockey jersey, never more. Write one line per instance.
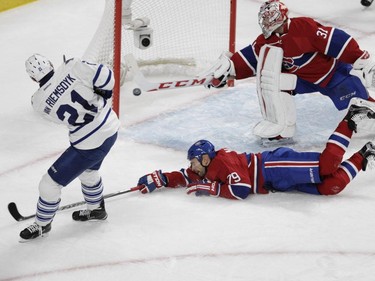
(311, 51)
(239, 174)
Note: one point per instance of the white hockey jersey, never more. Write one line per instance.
(68, 98)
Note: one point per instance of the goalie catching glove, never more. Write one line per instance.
(222, 69)
(148, 183)
(364, 68)
(204, 188)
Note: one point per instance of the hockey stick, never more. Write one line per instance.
(13, 210)
(148, 86)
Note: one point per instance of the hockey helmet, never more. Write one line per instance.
(272, 15)
(38, 66)
(201, 147)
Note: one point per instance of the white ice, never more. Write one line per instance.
(168, 235)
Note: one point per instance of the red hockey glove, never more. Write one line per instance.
(148, 183)
(210, 188)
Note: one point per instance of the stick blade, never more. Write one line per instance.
(12, 207)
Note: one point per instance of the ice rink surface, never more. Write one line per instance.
(168, 235)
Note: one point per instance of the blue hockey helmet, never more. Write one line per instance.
(201, 147)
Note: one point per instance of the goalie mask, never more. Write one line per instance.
(272, 15)
(38, 66)
(201, 147)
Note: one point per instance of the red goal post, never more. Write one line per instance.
(186, 34)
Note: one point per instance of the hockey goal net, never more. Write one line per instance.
(187, 36)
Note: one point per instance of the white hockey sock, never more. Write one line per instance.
(93, 195)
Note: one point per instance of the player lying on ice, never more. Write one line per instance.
(232, 175)
(311, 57)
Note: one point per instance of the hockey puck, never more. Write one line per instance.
(137, 91)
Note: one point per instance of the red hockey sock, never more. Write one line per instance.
(337, 181)
(332, 155)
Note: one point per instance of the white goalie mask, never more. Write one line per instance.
(272, 15)
(38, 66)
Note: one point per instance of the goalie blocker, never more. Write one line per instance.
(277, 107)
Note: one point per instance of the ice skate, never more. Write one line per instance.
(368, 153)
(359, 110)
(276, 141)
(88, 215)
(34, 231)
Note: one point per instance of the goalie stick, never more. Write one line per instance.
(13, 210)
(149, 86)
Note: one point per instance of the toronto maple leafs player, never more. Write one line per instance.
(232, 175)
(76, 95)
(313, 58)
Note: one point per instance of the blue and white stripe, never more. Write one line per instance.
(339, 140)
(101, 76)
(350, 169)
(46, 211)
(93, 194)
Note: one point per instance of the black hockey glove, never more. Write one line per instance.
(106, 94)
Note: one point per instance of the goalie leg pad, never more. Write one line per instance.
(277, 107)
(280, 117)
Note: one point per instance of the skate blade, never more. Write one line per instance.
(92, 220)
(361, 102)
(280, 142)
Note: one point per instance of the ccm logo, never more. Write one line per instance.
(348, 96)
(182, 83)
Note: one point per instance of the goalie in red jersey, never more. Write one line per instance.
(228, 174)
(312, 58)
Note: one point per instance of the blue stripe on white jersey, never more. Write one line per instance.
(87, 115)
(93, 131)
(107, 81)
(97, 74)
(83, 125)
(100, 74)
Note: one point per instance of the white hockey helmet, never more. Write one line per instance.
(272, 15)
(38, 66)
